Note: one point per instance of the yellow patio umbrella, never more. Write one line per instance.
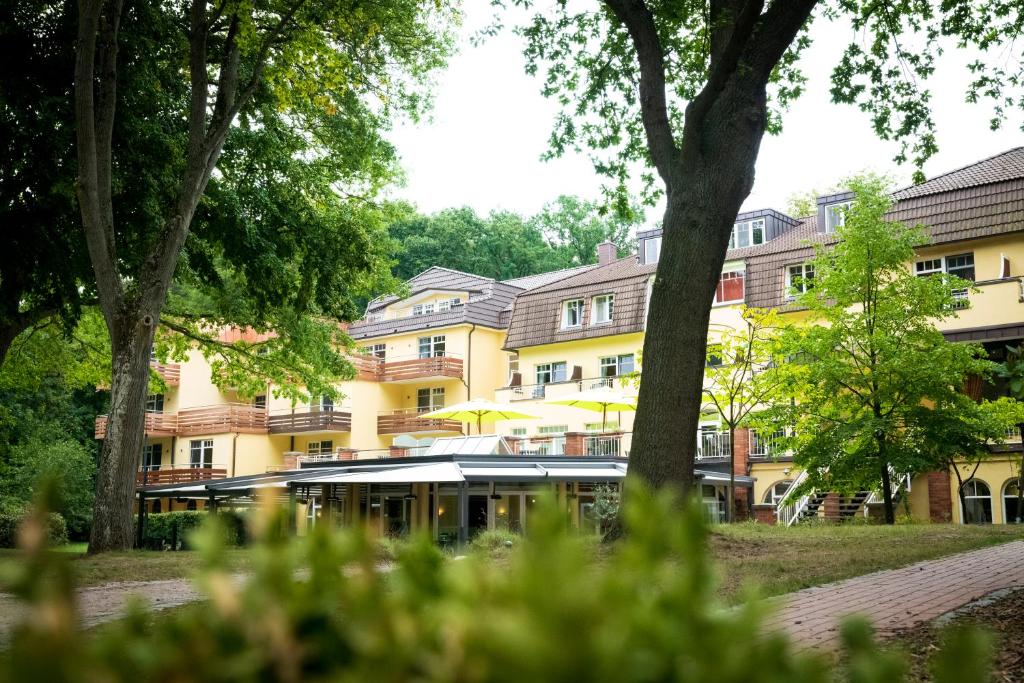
(479, 410)
(597, 400)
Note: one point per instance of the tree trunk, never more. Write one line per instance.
(130, 343)
(732, 474)
(890, 513)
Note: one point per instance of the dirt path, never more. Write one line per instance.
(98, 604)
(898, 598)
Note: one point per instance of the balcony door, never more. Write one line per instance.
(429, 399)
(432, 347)
(201, 453)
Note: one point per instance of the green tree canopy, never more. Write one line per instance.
(870, 355)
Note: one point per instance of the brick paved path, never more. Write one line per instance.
(898, 597)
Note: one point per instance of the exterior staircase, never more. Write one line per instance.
(793, 510)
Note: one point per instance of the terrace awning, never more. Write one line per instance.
(439, 472)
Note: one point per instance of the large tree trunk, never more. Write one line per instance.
(112, 527)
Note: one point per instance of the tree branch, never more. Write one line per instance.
(638, 20)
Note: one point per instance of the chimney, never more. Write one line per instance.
(607, 252)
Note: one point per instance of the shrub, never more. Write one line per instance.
(173, 530)
(13, 514)
(497, 540)
(647, 612)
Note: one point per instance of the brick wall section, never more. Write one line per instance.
(741, 467)
(290, 460)
(940, 503)
(830, 507)
(347, 453)
(764, 513)
(398, 452)
(574, 443)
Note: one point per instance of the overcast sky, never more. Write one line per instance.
(489, 127)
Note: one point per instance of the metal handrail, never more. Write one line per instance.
(787, 512)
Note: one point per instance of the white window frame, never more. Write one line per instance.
(435, 399)
(147, 456)
(200, 453)
(448, 304)
(652, 249)
(322, 447)
(155, 403)
(835, 215)
(802, 288)
(423, 309)
(748, 229)
(940, 264)
(436, 346)
(568, 307)
(552, 370)
(742, 270)
(602, 309)
(615, 362)
(973, 495)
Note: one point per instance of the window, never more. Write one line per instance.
(429, 399)
(1011, 515)
(603, 308)
(320, 447)
(155, 403)
(835, 215)
(423, 309)
(652, 249)
(152, 456)
(747, 234)
(714, 356)
(556, 444)
(959, 265)
(774, 495)
(730, 287)
(799, 279)
(200, 453)
(572, 313)
(598, 427)
(513, 366)
(260, 401)
(431, 347)
(518, 431)
(613, 366)
(449, 304)
(378, 351)
(323, 403)
(977, 502)
(551, 372)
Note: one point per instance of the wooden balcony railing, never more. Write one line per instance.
(180, 474)
(169, 372)
(233, 417)
(368, 368)
(421, 368)
(157, 424)
(406, 421)
(310, 420)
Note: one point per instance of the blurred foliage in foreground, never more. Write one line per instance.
(320, 608)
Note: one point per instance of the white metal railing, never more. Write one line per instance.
(553, 446)
(1013, 432)
(789, 510)
(603, 445)
(763, 446)
(713, 445)
(899, 482)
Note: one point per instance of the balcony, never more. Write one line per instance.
(170, 373)
(996, 302)
(368, 368)
(232, 417)
(530, 392)
(156, 425)
(409, 421)
(178, 474)
(604, 445)
(713, 445)
(309, 420)
(416, 369)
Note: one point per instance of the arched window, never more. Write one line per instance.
(977, 502)
(773, 495)
(1011, 514)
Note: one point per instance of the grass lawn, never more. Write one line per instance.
(781, 560)
(142, 565)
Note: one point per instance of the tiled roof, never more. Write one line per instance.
(1007, 165)
(541, 279)
(536, 316)
(435, 277)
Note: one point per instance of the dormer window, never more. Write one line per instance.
(835, 215)
(603, 309)
(423, 309)
(572, 313)
(449, 304)
(652, 249)
(799, 279)
(747, 234)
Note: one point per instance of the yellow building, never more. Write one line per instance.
(457, 336)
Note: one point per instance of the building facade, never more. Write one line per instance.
(456, 336)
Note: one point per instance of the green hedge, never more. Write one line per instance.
(11, 516)
(173, 530)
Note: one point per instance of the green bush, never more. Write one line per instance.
(496, 540)
(12, 515)
(316, 608)
(173, 530)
